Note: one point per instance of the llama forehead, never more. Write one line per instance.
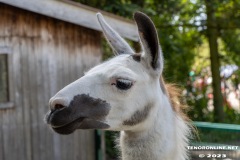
(122, 66)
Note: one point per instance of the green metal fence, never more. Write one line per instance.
(215, 141)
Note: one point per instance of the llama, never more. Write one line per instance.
(126, 93)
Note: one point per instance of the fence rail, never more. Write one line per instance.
(217, 126)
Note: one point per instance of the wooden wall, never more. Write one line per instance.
(46, 54)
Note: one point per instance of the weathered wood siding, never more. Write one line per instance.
(46, 54)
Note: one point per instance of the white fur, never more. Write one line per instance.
(163, 135)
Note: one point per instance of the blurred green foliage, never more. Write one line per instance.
(198, 102)
(177, 43)
(210, 137)
(111, 149)
(181, 25)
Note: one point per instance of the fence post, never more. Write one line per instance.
(100, 145)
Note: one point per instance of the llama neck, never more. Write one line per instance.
(164, 139)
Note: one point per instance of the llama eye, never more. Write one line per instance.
(123, 84)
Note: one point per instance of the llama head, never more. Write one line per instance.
(118, 94)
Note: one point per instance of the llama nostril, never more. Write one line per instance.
(58, 106)
(58, 103)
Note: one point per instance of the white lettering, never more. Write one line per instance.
(225, 147)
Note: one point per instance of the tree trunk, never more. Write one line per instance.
(212, 35)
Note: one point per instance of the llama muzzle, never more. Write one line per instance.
(83, 112)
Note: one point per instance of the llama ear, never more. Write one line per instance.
(118, 44)
(149, 41)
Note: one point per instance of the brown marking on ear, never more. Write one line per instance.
(138, 117)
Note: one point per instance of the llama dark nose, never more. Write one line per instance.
(58, 106)
(57, 103)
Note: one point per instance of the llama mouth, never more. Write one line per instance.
(68, 128)
(80, 123)
(56, 122)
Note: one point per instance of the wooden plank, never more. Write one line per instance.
(77, 14)
(72, 65)
(16, 129)
(7, 141)
(96, 50)
(61, 71)
(16, 87)
(91, 145)
(58, 83)
(48, 143)
(40, 99)
(64, 75)
(76, 149)
(26, 101)
(83, 144)
(19, 129)
(83, 60)
(53, 80)
(75, 73)
(89, 58)
(33, 100)
(1, 137)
